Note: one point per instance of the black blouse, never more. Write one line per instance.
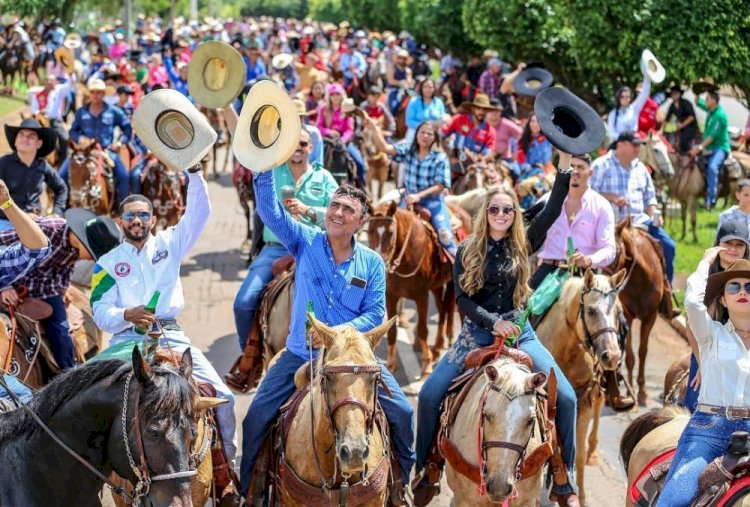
(494, 301)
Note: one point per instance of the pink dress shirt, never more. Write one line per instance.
(339, 123)
(504, 132)
(118, 50)
(592, 230)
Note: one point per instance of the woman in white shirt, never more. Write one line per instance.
(624, 116)
(718, 309)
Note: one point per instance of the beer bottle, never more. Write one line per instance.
(150, 308)
(308, 324)
(571, 251)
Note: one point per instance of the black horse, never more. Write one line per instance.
(119, 417)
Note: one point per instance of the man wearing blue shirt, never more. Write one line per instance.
(352, 64)
(327, 263)
(97, 120)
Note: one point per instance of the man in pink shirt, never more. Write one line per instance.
(505, 130)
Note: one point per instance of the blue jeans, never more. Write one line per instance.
(20, 390)
(691, 395)
(57, 330)
(667, 244)
(121, 176)
(248, 297)
(452, 365)
(135, 177)
(441, 221)
(706, 437)
(714, 161)
(358, 160)
(276, 388)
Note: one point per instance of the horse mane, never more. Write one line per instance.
(645, 424)
(509, 380)
(469, 198)
(571, 291)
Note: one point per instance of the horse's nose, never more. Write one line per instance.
(498, 490)
(610, 359)
(353, 455)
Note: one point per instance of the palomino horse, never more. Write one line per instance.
(224, 139)
(91, 178)
(414, 267)
(163, 187)
(129, 417)
(644, 293)
(338, 433)
(502, 403)
(585, 317)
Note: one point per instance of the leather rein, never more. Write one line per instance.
(141, 471)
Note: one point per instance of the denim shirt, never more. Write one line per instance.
(102, 127)
(352, 292)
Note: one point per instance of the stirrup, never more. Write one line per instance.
(423, 491)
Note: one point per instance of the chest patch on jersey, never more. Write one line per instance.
(159, 256)
(122, 269)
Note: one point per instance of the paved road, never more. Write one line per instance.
(212, 276)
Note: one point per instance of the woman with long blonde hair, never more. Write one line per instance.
(491, 276)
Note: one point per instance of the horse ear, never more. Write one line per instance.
(536, 381)
(141, 368)
(72, 144)
(588, 278)
(374, 335)
(327, 334)
(623, 224)
(491, 373)
(618, 278)
(186, 364)
(392, 208)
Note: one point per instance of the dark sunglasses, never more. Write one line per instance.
(304, 144)
(494, 210)
(734, 287)
(143, 216)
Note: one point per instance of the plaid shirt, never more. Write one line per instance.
(422, 174)
(16, 259)
(51, 277)
(634, 183)
(489, 83)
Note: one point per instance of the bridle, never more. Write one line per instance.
(391, 264)
(90, 194)
(142, 471)
(589, 337)
(168, 185)
(483, 446)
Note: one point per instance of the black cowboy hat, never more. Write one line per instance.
(532, 81)
(98, 233)
(570, 124)
(47, 135)
(704, 86)
(716, 282)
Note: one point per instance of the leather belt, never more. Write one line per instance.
(553, 262)
(730, 413)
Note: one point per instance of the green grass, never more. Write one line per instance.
(8, 105)
(689, 253)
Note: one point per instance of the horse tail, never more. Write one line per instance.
(642, 426)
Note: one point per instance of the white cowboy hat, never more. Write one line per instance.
(281, 61)
(651, 67)
(216, 74)
(72, 41)
(97, 85)
(173, 129)
(268, 128)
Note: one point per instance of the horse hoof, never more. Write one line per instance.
(593, 460)
(426, 371)
(436, 352)
(642, 398)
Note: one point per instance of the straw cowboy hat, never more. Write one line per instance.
(569, 123)
(282, 61)
(716, 282)
(216, 74)
(532, 81)
(651, 67)
(46, 135)
(173, 129)
(72, 41)
(66, 59)
(268, 128)
(301, 108)
(483, 101)
(97, 85)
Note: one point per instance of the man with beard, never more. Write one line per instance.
(474, 138)
(126, 278)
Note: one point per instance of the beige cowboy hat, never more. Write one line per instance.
(651, 67)
(483, 101)
(348, 106)
(66, 59)
(97, 85)
(173, 129)
(268, 128)
(282, 61)
(216, 74)
(301, 108)
(72, 41)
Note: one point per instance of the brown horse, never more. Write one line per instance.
(643, 294)
(585, 317)
(338, 434)
(224, 139)
(242, 178)
(676, 381)
(378, 164)
(163, 187)
(400, 117)
(415, 266)
(91, 178)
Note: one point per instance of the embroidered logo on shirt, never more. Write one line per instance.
(160, 256)
(122, 269)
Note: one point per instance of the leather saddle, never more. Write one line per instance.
(426, 216)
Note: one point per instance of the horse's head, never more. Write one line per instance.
(508, 411)
(82, 162)
(382, 231)
(593, 309)
(349, 377)
(655, 154)
(158, 425)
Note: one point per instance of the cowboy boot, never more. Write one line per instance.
(423, 489)
(616, 400)
(398, 495)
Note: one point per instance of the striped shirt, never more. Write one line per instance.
(634, 183)
(51, 276)
(336, 294)
(422, 174)
(16, 259)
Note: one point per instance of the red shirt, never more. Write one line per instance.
(647, 119)
(41, 98)
(477, 139)
(374, 112)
